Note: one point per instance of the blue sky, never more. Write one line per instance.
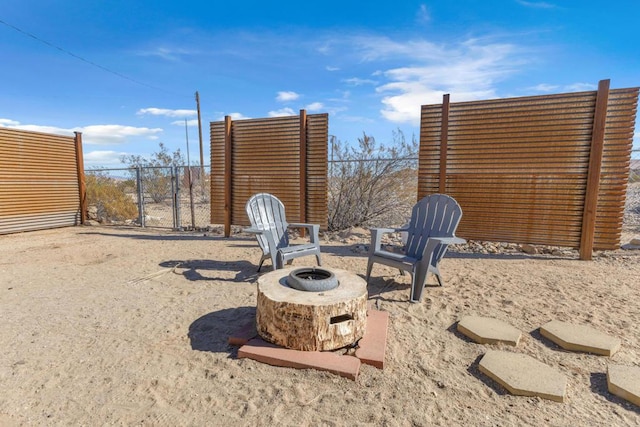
(125, 72)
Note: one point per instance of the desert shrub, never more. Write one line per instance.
(108, 199)
(372, 184)
(156, 171)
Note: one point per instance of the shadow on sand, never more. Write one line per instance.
(211, 332)
(205, 269)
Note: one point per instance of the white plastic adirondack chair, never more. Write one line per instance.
(269, 224)
(430, 231)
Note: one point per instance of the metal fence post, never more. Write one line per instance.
(176, 197)
(140, 196)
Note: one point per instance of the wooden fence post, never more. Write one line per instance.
(595, 169)
(228, 156)
(444, 141)
(82, 185)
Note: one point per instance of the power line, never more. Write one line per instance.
(28, 34)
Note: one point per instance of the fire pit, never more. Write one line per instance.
(312, 279)
(330, 314)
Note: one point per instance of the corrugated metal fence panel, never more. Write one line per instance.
(618, 142)
(38, 181)
(266, 158)
(429, 154)
(317, 169)
(518, 167)
(217, 172)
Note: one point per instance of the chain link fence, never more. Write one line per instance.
(179, 198)
(175, 197)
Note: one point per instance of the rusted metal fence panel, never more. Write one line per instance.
(41, 181)
(266, 155)
(519, 167)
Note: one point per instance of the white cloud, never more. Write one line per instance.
(94, 134)
(116, 134)
(468, 71)
(234, 116)
(544, 87)
(355, 81)
(330, 68)
(581, 87)
(315, 106)
(537, 4)
(8, 122)
(287, 96)
(166, 112)
(282, 112)
(192, 122)
(104, 158)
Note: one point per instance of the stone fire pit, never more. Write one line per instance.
(315, 320)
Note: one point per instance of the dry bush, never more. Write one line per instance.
(372, 185)
(108, 198)
(157, 171)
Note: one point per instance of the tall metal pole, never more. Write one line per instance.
(200, 134)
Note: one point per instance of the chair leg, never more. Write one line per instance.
(418, 280)
(369, 268)
(318, 259)
(260, 265)
(439, 279)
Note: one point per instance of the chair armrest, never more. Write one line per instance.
(253, 230)
(314, 230)
(449, 240)
(376, 237)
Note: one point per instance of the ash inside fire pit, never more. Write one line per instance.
(312, 279)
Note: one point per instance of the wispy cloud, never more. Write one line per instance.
(103, 158)
(330, 68)
(544, 87)
(423, 15)
(287, 96)
(315, 106)
(574, 87)
(580, 87)
(537, 4)
(467, 71)
(192, 122)
(282, 112)
(172, 54)
(355, 81)
(166, 112)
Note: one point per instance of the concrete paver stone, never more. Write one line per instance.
(486, 330)
(372, 346)
(371, 349)
(624, 382)
(523, 375)
(580, 338)
(262, 351)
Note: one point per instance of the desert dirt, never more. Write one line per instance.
(129, 326)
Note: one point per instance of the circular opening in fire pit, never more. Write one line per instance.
(312, 279)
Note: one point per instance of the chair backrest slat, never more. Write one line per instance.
(436, 215)
(266, 212)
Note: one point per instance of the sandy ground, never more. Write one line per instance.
(99, 327)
